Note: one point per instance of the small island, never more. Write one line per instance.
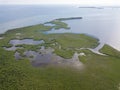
(93, 7)
(70, 18)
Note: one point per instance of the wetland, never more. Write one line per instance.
(61, 54)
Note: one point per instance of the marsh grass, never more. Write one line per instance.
(100, 72)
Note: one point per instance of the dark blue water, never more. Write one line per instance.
(101, 23)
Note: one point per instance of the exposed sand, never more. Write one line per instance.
(1, 37)
(119, 86)
(95, 50)
(18, 34)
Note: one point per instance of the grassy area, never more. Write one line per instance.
(99, 73)
(108, 50)
(69, 40)
(67, 54)
(102, 68)
(30, 47)
(59, 24)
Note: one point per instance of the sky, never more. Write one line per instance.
(80, 2)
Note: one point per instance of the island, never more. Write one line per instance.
(93, 7)
(70, 18)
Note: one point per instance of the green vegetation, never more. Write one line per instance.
(30, 47)
(69, 40)
(99, 72)
(67, 54)
(108, 50)
(59, 24)
(103, 71)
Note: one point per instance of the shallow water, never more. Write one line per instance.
(20, 42)
(25, 41)
(46, 57)
(13, 48)
(17, 56)
(96, 50)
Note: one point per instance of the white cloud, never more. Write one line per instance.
(87, 2)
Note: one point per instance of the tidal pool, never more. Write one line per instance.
(26, 41)
(21, 42)
(18, 56)
(46, 57)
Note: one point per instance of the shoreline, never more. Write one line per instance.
(44, 24)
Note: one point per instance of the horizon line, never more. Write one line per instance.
(54, 4)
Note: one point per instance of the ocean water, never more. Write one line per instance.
(101, 23)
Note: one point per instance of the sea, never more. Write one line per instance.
(102, 23)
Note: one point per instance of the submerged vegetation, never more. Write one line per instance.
(99, 72)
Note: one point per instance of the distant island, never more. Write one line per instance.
(92, 7)
(71, 18)
(111, 6)
(99, 7)
(60, 24)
